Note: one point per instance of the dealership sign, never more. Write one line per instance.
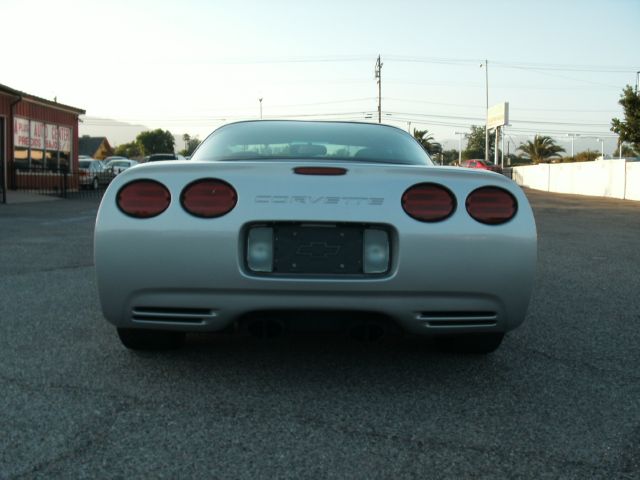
(51, 137)
(21, 132)
(40, 136)
(37, 135)
(498, 115)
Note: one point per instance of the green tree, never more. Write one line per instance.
(190, 145)
(627, 151)
(586, 156)
(156, 141)
(476, 143)
(129, 150)
(629, 129)
(427, 141)
(450, 156)
(542, 149)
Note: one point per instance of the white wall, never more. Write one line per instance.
(607, 178)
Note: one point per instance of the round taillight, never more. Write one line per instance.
(208, 198)
(491, 205)
(428, 202)
(143, 198)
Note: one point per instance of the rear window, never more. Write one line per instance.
(85, 163)
(335, 141)
(162, 156)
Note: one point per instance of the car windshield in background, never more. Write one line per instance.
(334, 141)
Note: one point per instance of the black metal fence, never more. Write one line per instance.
(62, 182)
(3, 191)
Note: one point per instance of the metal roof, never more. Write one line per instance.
(42, 101)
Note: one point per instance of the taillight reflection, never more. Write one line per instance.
(428, 202)
(491, 205)
(143, 198)
(208, 198)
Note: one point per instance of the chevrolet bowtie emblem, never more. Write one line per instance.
(318, 249)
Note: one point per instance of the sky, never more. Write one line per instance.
(193, 65)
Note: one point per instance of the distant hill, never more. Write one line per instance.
(116, 132)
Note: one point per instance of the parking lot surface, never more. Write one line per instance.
(559, 399)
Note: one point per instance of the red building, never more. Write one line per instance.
(38, 141)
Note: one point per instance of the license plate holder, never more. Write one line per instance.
(317, 249)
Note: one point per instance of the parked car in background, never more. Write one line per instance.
(93, 173)
(157, 157)
(481, 164)
(118, 164)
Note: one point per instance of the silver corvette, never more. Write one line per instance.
(288, 224)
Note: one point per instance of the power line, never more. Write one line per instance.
(518, 65)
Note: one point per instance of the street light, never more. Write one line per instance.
(260, 100)
(601, 146)
(573, 136)
(460, 135)
(486, 118)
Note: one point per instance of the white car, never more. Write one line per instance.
(285, 225)
(119, 164)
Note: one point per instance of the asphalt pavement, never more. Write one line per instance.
(559, 399)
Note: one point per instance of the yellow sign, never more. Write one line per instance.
(498, 115)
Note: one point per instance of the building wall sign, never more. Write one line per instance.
(64, 139)
(37, 135)
(21, 132)
(51, 137)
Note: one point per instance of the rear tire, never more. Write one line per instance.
(470, 343)
(139, 339)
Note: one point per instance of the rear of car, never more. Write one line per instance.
(91, 173)
(361, 225)
(482, 165)
(119, 165)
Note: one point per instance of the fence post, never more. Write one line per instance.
(64, 183)
(3, 179)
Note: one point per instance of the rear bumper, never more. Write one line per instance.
(414, 312)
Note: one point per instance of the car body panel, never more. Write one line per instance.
(177, 271)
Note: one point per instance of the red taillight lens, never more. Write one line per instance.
(208, 198)
(143, 198)
(428, 202)
(491, 205)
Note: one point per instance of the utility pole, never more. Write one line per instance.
(572, 136)
(502, 149)
(379, 78)
(486, 129)
(637, 81)
(495, 150)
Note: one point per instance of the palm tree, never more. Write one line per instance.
(542, 149)
(427, 141)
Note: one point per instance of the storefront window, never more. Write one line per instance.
(21, 158)
(40, 146)
(51, 146)
(64, 139)
(21, 143)
(37, 145)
